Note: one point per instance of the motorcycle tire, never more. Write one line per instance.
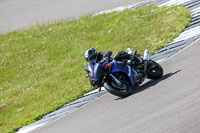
(111, 87)
(156, 72)
(107, 85)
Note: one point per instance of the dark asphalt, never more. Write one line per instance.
(168, 105)
(19, 14)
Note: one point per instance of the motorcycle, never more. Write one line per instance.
(121, 76)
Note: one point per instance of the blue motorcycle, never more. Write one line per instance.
(121, 74)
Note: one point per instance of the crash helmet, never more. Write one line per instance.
(90, 54)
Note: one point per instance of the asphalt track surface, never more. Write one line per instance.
(168, 105)
(20, 14)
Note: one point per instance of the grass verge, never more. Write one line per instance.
(41, 68)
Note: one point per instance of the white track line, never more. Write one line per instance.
(174, 2)
(121, 8)
(166, 59)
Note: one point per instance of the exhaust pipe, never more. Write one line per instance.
(146, 59)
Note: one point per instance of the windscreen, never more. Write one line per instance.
(97, 71)
(90, 66)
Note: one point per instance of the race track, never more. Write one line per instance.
(168, 105)
(19, 14)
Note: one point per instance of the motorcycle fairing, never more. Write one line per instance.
(89, 66)
(120, 67)
(95, 69)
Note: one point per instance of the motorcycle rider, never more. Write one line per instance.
(92, 54)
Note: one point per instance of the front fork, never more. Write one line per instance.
(115, 79)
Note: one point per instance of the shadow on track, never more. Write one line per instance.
(150, 84)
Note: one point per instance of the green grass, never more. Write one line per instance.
(41, 68)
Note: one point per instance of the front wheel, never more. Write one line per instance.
(154, 70)
(122, 91)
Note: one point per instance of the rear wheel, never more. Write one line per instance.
(123, 90)
(154, 70)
